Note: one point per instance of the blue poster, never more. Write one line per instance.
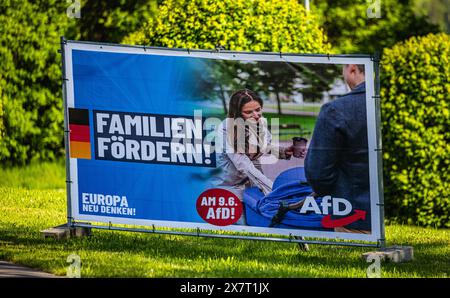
(133, 102)
(209, 140)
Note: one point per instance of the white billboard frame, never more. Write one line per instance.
(371, 64)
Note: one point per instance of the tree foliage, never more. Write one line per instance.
(416, 130)
(438, 12)
(31, 113)
(351, 30)
(31, 123)
(2, 125)
(111, 20)
(240, 25)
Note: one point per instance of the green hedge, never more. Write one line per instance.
(241, 25)
(31, 113)
(350, 30)
(416, 130)
(2, 125)
(112, 20)
(31, 118)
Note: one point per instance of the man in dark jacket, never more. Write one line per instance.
(337, 162)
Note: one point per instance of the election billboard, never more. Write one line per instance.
(284, 144)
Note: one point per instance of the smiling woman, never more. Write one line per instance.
(246, 138)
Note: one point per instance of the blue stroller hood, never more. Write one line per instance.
(289, 187)
(290, 193)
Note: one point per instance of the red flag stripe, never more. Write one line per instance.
(79, 138)
(79, 133)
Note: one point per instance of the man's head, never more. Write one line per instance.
(353, 74)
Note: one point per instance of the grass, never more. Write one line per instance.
(35, 176)
(307, 123)
(285, 107)
(30, 203)
(294, 107)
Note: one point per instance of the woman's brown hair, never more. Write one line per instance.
(239, 99)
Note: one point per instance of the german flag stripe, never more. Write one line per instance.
(79, 133)
(80, 150)
(79, 116)
(80, 146)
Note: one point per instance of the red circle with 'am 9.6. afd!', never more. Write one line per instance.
(219, 207)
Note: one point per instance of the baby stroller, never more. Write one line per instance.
(280, 208)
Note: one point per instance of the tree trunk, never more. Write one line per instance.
(278, 102)
(224, 101)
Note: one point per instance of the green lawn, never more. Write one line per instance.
(293, 107)
(34, 198)
(306, 123)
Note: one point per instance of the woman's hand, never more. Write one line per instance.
(289, 151)
(299, 153)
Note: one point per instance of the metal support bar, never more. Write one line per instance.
(219, 47)
(63, 43)
(71, 220)
(376, 65)
(241, 237)
(375, 57)
(381, 243)
(209, 50)
(307, 6)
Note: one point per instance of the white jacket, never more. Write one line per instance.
(238, 171)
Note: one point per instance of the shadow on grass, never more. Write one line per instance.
(429, 259)
(285, 257)
(193, 248)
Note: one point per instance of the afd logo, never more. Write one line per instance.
(339, 207)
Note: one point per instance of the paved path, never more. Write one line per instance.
(12, 270)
